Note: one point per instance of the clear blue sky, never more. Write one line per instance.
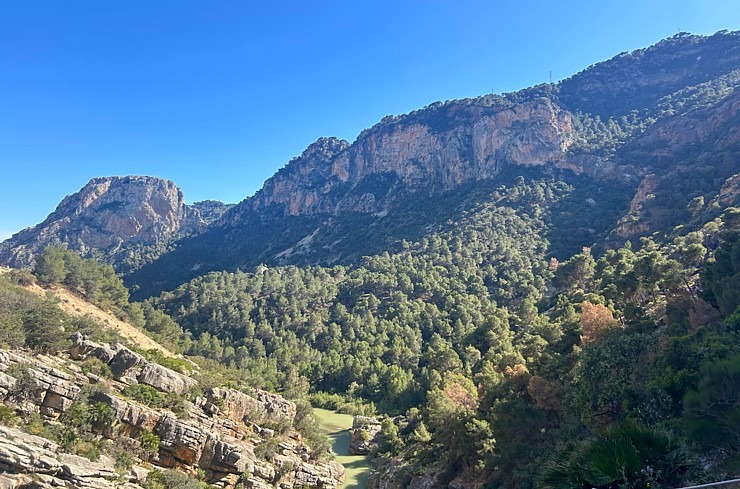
(217, 95)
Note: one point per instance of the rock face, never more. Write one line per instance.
(261, 405)
(686, 149)
(217, 434)
(131, 367)
(108, 215)
(321, 180)
(32, 461)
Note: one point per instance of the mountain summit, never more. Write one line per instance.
(107, 217)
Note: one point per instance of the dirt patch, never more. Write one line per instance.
(77, 306)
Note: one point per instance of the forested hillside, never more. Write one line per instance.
(530, 290)
(82, 406)
(656, 126)
(492, 355)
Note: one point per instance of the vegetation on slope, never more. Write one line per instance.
(491, 353)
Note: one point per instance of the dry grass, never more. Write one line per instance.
(77, 306)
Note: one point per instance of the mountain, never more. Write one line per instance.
(624, 134)
(660, 114)
(515, 284)
(116, 219)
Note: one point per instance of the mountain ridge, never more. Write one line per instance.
(338, 200)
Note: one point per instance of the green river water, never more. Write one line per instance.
(357, 467)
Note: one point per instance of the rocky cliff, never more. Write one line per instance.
(328, 176)
(107, 217)
(310, 210)
(227, 436)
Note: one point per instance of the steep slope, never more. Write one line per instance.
(338, 202)
(685, 158)
(638, 80)
(410, 174)
(101, 432)
(107, 218)
(76, 306)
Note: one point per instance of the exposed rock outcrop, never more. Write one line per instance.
(363, 437)
(218, 434)
(32, 461)
(262, 405)
(323, 178)
(130, 367)
(107, 215)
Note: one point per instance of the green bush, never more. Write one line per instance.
(8, 417)
(712, 411)
(25, 382)
(171, 479)
(626, 455)
(92, 365)
(145, 394)
(149, 443)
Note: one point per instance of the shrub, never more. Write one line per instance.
(25, 383)
(8, 417)
(145, 394)
(92, 365)
(149, 443)
(171, 479)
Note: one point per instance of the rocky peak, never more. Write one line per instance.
(325, 148)
(293, 186)
(326, 178)
(106, 215)
(211, 210)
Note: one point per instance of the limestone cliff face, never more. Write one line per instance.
(106, 215)
(326, 177)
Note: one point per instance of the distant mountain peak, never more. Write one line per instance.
(106, 216)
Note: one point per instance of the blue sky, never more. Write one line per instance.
(218, 95)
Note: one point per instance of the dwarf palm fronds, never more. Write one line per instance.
(627, 455)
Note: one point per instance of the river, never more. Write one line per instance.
(357, 467)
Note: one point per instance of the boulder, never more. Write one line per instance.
(31, 461)
(254, 483)
(277, 408)
(181, 440)
(241, 407)
(220, 456)
(165, 379)
(132, 414)
(83, 347)
(325, 476)
(264, 471)
(123, 362)
(363, 437)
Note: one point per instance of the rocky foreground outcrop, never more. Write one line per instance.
(230, 436)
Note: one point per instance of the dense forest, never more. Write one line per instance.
(474, 342)
(481, 348)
